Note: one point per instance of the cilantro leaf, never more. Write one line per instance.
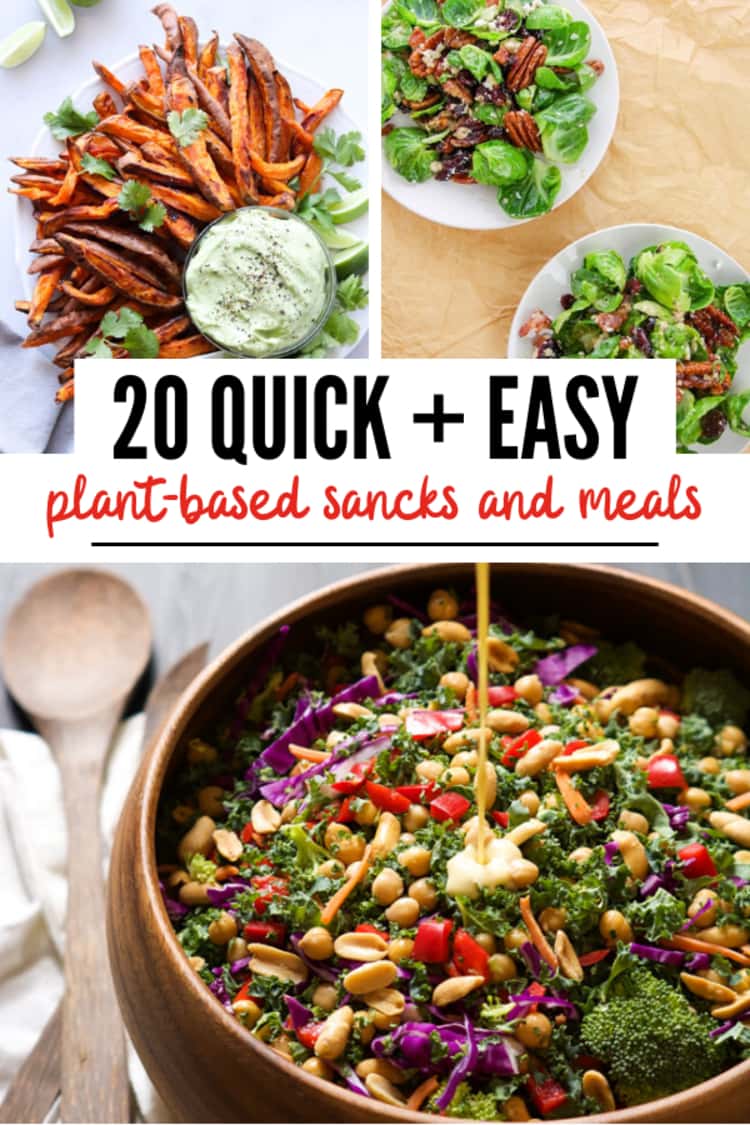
(348, 183)
(187, 126)
(352, 294)
(98, 349)
(142, 343)
(315, 209)
(344, 150)
(116, 325)
(67, 121)
(127, 329)
(135, 198)
(98, 167)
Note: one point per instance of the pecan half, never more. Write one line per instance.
(702, 376)
(522, 130)
(456, 39)
(531, 55)
(716, 328)
(456, 89)
(425, 56)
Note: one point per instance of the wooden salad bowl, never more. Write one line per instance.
(205, 1065)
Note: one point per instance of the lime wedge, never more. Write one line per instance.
(22, 44)
(335, 239)
(351, 207)
(355, 259)
(85, 3)
(60, 15)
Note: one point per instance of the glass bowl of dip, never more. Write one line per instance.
(259, 282)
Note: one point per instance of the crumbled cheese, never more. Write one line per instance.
(436, 166)
(505, 867)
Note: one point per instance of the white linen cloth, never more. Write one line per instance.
(32, 861)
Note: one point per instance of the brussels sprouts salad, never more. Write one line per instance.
(488, 93)
(315, 862)
(662, 306)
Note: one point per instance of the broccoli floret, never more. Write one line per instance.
(614, 664)
(652, 1041)
(696, 735)
(718, 696)
(471, 1105)
(200, 869)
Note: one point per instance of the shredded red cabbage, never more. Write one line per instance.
(564, 695)
(299, 1014)
(555, 667)
(532, 958)
(463, 1067)
(703, 910)
(287, 788)
(220, 896)
(408, 609)
(671, 957)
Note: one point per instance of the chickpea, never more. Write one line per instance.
(731, 740)
(550, 801)
(181, 814)
(415, 817)
(201, 753)
(247, 1012)
(458, 682)
(530, 800)
(403, 912)
(325, 997)
(544, 712)
(387, 886)
(346, 846)
(701, 899)
(330, 869)
(534, 1031)
(400, 949)
(530, 689)
(317, 943)
(515, 938)
(614, 927)
(738, 781)
(318, 1067)
(442, 606)
(398, 633)
(222, 929)
(709, 765)
(424, 894)
(696, 799)
(633, 822)
(667, 726)
(514, 1109)
(366, 813)
(633, 853)
(502, 968)
(552, 919)
(363, 1026)
(377, 618)
(430, 769)
(487, 942)
(581, 855)
(466, 758)
(407, 838)
(454, 777)
(211, 800)
(644, 722)
(416, 860)
(237, 949)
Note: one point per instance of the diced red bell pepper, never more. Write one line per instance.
(270, 932)
(576, 744)
(309, 1033)
(244, 992)
(501, 696)
(665, 772)
(388, 799)
(366, 928)
(432, 941)
(449, 806)
(355, 779)
(546, 1094)
(518, 747)
(345, 814)
(501, 818)
(419, 794)
(248, 835)
(696, 861)
(469, 956)
(268, 887)
(600, 805)
(594, 957)
(536, 989)
(423, 725)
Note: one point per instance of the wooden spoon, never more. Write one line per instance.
(74, 648)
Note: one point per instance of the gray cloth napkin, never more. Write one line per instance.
(29, 415)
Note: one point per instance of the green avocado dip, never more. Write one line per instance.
(258, 283)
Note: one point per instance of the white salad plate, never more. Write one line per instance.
(475, 206)
(130, 69)
(553, 280)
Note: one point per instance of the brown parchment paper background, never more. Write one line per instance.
(680, 156)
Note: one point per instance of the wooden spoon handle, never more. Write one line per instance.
(94, 1065)
(36, 1086)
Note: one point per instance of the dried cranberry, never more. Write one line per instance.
(713, 424)
(634, 285)
(507, 20)
(642, 342)
(567, 300)
(455, 165)
(550, 349)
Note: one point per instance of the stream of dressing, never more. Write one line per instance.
(483, 628)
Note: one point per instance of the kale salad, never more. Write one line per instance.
(317, 858)
(488, 93)
(662, 305)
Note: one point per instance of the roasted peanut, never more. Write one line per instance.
(448, 631)
(247, 1012)
(454, 777)
(360, 947)
(370, 977)
(639, 693)
(334, 1034)
(567, 957)
(525, 830)
(352, 711)
(738, 781)
(194, 894)
(596, 1087)
(552, 918)
(319, 1068)
(369, 666)
(400, 948)
(268, 961)
(530, 800)
(383, 1090)
(199, 840)
(709, 765)
(228, 844)
(383, 1067)
(345, 845)
(645, 722)
(455, 988)
(633, 853)
(734, 827)
(538, 757)
(325, 997)
(696, 799)
(398, 634)
(507, 722)
(386, 835)
(366, 813)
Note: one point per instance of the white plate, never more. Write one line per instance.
(553, 281)
(475, 206)
(129, 69)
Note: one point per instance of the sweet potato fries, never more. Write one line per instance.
(241, 138)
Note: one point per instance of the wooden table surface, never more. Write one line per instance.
(191, 603)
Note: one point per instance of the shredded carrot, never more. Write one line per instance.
(738, 803)
(422, 1093)
(334, 904)
(305, 754)
(282, 691)
(471, 703)
(576, 803)
(535, 933)
(695, 945)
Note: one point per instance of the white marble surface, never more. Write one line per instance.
(326, 40)
(191, 603)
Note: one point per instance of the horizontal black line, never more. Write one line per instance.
(332, 543)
